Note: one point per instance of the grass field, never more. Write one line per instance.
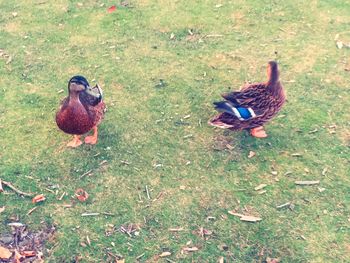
(161, 65)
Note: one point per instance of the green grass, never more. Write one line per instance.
(128, 52)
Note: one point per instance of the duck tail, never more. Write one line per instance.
(272, 73)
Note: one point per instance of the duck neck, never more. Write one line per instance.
(74, 96)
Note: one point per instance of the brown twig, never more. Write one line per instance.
(9, 185)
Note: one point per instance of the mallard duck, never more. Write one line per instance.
(81, 111)
(252, 106)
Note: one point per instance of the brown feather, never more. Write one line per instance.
(266, 100)
(76, 117)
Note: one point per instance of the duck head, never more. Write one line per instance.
(79, 84)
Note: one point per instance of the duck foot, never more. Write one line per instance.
(75, 142)
(258, 132)
(92, 139)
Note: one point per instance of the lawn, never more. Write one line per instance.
(158, 166)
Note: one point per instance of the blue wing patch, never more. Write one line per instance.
(241, 113)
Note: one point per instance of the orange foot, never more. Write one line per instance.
(92, 139)
(75, 142)
(258, 132)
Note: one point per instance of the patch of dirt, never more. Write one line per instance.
(26, 245)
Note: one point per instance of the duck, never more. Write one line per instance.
(253, 106)
(81, 111)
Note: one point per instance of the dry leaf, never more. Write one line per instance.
(112, 9)
(307, 182)
(251, 154)
(221, 259)
(14, 14)
(272, 260)
(81, 195)
(296, 154)
(28, 254)
(38, 198)
(2, 209)
(120, 260)
(260, 186)
(165, 254)
(5, 253)
(246, 218)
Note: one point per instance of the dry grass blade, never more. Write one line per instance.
(165, 254)
(307, 182)
(190, 249)
(250, 218)
(260, 186)
(176, 229)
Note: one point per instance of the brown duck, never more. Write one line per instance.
(81, 111)
(252, 106)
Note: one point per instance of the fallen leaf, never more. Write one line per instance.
(28, 254)
(18, 257)
(14, 14)
(251, 154)
(81, 195)
(120, 260)
(112, 9)
(260, 186)
(2, 209)
(272, 260)
(165, 254)
(172, 36)
(5, 253)
(221, 260)
(38, 198)
(296, 154)
(307, 182)
(246, 218)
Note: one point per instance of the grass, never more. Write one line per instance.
(127, 52)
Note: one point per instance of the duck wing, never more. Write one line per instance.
(245, 104)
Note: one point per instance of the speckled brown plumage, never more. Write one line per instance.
(80, 111)
(265, 99)
(76, 118)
